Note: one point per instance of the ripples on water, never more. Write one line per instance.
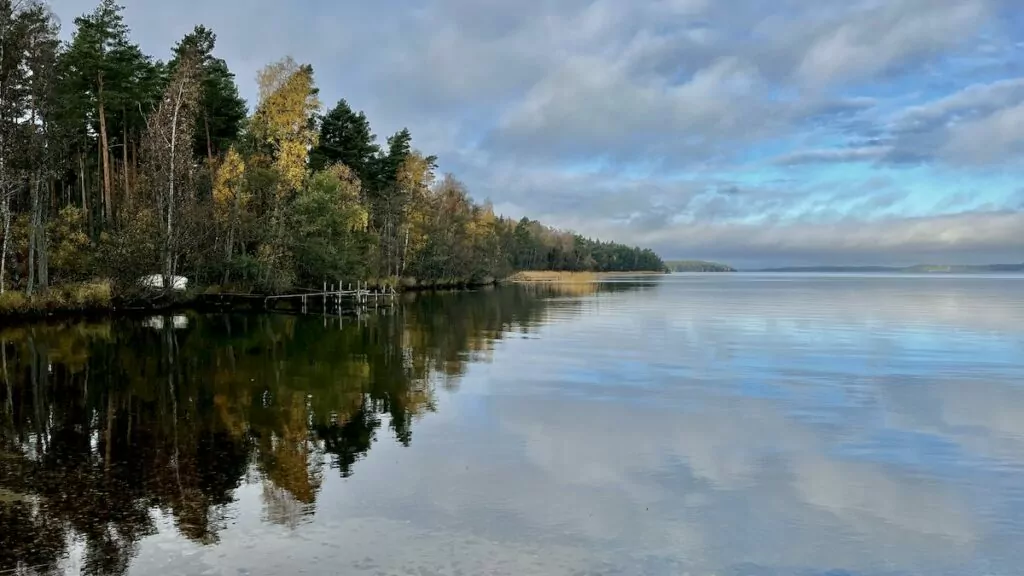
(739, 424)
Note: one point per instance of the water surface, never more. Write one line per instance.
(692, 424)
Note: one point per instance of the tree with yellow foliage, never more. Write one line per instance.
(283, 123)
(230, 197)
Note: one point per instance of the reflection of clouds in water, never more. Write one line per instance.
(984, 417)
(800, 430)
(738, 482)
(747, 464)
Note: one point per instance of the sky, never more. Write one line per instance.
(791, 132)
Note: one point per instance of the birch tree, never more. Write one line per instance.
(229, 199)
(284, 120)
(283, 130)
(168, 164)
(43, 143)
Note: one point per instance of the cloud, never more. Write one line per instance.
(592, 108)
(980, 124)
(833, 155)
(996, 137)
(875, 37)
(975, 101)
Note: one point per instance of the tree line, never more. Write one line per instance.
(697, 266)
(115, 164)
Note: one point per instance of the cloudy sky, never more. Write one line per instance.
(759, 133)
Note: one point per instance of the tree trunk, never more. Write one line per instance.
(5, 197)
(38, 273)
(231, 238)
(82, 182)
(42, 245)
(99, 192)
(209, 142)
(169, 256)
(104, 156)
(405, 253)
(135, 161)
(33, 236)
(5, 214)
(124, 156)
(3, 372)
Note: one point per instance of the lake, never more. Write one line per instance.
(689, 424)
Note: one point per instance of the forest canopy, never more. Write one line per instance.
(115, 164)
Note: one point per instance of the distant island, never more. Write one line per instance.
(917, 269)
(697, 266)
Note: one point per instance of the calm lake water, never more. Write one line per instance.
(692, 424)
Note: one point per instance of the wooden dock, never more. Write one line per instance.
(332, 299)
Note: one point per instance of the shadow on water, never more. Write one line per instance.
(103, 423)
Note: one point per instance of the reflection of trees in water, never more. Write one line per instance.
(102, 423)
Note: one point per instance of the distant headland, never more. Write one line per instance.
(916, 269)
(697, 266)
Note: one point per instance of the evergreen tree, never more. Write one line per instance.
(222, 109)
(109, 76)
(345, 137)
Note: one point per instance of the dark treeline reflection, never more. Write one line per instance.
(104, 422)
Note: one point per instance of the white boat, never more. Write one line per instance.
(178, 283)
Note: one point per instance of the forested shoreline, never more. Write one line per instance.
(697, 266)
(116, 165)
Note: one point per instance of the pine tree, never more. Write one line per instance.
(222, 111)
(116, 80)
(345, 137)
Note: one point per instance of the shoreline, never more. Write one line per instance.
(211, 299)
(540, 276)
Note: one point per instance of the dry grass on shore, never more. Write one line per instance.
(554, 276)
(85, 296)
